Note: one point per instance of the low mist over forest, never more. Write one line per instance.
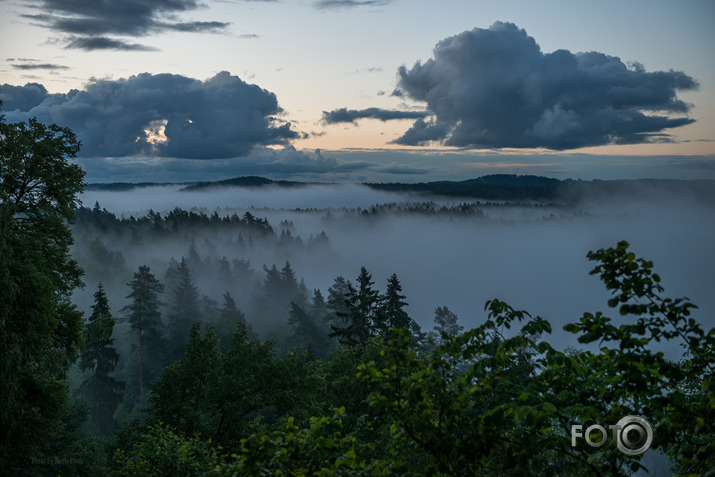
(523, 239)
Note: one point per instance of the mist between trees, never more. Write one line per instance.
(255, 341)
(328, 279)
(452, 252)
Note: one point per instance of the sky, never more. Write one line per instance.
(368, 90)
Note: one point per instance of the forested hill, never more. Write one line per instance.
(515, 187)
(495, 186)
(489, 187)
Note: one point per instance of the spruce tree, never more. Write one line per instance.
(289, 283)
(337, 301)
(229, 317)
(359, 321)
(307, 332)
(392, 313)
(184, 309)
(102, 391)
(145, 320)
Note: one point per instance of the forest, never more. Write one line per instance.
(240, 339)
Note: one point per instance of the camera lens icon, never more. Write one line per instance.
(634, 435)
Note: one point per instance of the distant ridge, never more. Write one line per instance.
(245, 181)
(122, 186)
(489, 187)
(494, 186)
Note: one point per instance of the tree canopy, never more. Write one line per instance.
(40, 329)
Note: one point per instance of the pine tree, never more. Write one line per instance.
(361, 317)
(145, 319)
(101, 390)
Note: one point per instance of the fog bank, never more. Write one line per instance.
(531, 255)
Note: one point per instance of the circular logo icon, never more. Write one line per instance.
(634, 435)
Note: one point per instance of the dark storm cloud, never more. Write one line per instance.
(337, 4)
(104, 43)
(160, 115)
(22, 98)
(344, 115)
(118, 17)
(495, 88)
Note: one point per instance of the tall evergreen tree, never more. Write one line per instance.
(184, 309)
(101, 390)
(392, 313)
(358, 323)
(307, 332)
(318, 307)
(289, 283)
(229, 318)
(144, 318)
(208, 310)
(273, 283)
(337, 300)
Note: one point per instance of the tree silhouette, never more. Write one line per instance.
(101, 390)
(144, 318)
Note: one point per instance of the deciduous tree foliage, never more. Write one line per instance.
(225, 396)
(40, 330)
(510, 412)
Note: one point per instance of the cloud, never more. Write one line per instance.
(402, 169)
(104, 43)
(344, 115)
(286, 162)
(372, 69)
(338, 4)
(160, 115)
(90, 19)
(22, 98)
(495, 88)
(38, 66)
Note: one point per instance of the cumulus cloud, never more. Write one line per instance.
(495, 88)
(344, 115)
(160, 115)
(117, 17)
(22, 98)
